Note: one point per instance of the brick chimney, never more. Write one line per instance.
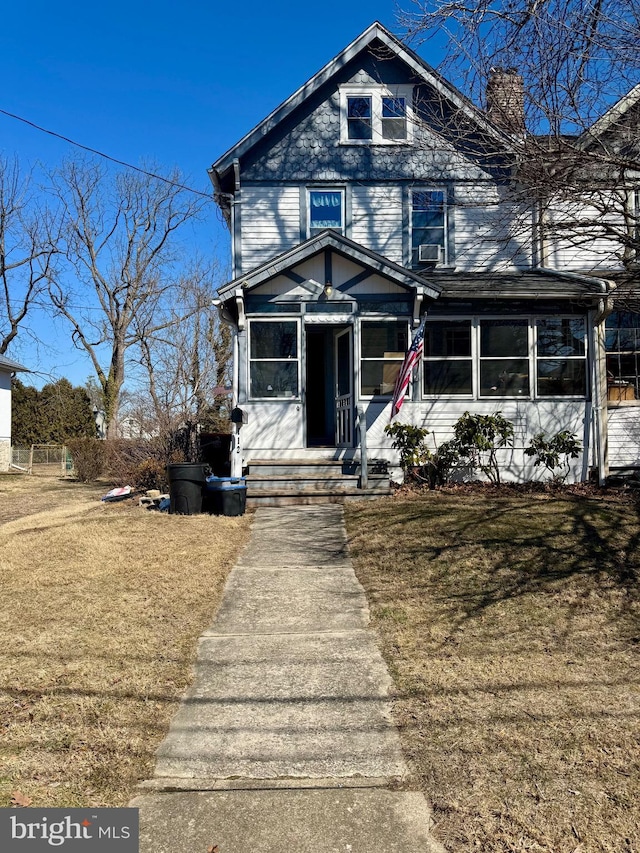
(505, 99)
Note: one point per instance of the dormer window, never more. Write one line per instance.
(375, 114)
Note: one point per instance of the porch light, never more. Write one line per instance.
(328, 290)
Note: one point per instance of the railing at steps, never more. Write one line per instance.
(362, 439)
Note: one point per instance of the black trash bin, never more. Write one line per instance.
(186, 484)
(226, 495)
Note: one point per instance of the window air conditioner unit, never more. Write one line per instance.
(430, 253)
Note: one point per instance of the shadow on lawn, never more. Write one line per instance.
(485, 549)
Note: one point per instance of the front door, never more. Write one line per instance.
(328, 386)
(344, 387)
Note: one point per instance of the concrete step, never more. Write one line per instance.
(294, 467)
(282, 498)
(283, 482)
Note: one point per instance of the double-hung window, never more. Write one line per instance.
(561, 348)
(376, 114)
(428, 227)
(383, 345)
(448, 364)
(326, 210)
(273, 358)
(504, 358)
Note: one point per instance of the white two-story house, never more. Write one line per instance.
(375, 194)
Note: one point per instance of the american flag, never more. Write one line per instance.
(411, 359)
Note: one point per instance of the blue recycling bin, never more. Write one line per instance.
(225, 495)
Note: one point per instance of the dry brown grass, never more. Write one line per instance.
(100, 609)
(510, 624)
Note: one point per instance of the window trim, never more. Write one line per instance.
(376, 91)
(250, 360)
(434, 188)
(343, 207)
(461, 358)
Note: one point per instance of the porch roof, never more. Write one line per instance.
(525, 284)
(331, 241)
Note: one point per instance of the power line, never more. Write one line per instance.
(105, 156)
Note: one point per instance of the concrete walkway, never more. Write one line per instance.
(285, 741)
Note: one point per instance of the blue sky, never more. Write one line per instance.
(176, 83)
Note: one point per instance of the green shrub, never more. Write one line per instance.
(408, 440)
(549, 450)
(418, 462)
(88, 456)
(477, 437)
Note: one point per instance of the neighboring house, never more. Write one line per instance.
(7, 370)
(376, 193)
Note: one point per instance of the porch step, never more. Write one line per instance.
(272, 482)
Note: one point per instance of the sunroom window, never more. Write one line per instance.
(383, 345)
(504, 358)
(561, 350)
(622, 341)
(447, 365)
(273, 359)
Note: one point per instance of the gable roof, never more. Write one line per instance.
(611, 117)
(331, 240)
(375, 32)
(7, 365)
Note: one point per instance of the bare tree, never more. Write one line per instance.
(27, 248)
(121, 240)
(549, 73)
(186, 370)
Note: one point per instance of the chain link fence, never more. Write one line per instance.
(42, 459)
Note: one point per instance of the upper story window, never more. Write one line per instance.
(375, 114)
(428, 227)
(326, 210)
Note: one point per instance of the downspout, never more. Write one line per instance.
(598, 361)
(605, 307)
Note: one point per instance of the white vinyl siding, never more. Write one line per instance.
(575, 238)
(623, 436)
(270, 218)
(376, 219)
(491, 231)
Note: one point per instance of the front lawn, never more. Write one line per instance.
(509, 621)
(100, 609)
